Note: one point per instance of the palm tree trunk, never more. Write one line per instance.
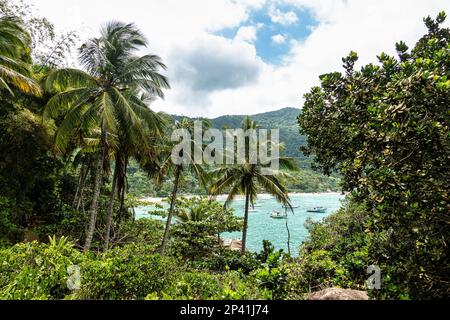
(97, 187)
(244, 231)
(171, 210)
(123, 191)
(110, 210)
(83, 176)
(122, 205)
(80, 181)
(289, 235)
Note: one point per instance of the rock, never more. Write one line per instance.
(236, 245)
(338, 294)
(232, 244)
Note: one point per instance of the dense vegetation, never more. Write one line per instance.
(386, 129)
(72, 141)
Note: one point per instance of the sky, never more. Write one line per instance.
(250, 56)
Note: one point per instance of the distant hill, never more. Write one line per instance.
(284, 119)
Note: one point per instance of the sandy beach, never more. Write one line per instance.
(263, 196)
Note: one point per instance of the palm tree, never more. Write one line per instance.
(15, 57)
(139, 142)
(246, 178)
(177, 171)
(100, 96)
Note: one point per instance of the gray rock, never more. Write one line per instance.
(338, 294)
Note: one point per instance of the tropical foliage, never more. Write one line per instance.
(385, 128)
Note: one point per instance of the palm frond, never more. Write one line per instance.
(63, 101)
(66, 79)
(21, 82)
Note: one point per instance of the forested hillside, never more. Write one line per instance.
(284, 119)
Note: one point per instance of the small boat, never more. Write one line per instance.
(278, 215)
(293, 207)
(317, 210)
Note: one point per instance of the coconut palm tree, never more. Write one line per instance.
(169, 167)
(247, 178)
(100, 96)
(139, 142)
(15, 57)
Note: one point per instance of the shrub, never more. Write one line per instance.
(204, 286)
(9, 231)
(272, 274)
(142, 231)
(193, 286)
(33, 271)
(127, 273)
(224, 259)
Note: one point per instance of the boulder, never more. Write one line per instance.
(232, 244)
(338, 294)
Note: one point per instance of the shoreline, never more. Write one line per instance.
(263, 196)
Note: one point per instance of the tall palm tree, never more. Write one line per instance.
(100, 96)
(246, 178)
(15, 58)
(167, 166)
(138, 142)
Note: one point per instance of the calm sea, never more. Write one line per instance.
(263, 227)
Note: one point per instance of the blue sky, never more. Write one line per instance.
(266, 48)
(251, 56)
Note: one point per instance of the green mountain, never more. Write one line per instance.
(284, 119)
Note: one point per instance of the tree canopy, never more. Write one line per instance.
(385, 128)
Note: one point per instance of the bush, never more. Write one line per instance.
(239, 287)
(193, 286)
(44, 271)
(142, 231)
(272, 274)
(204, 286)
(67, 222)
(225, 259)
(33, 271)
(10, 232)
(127, 273)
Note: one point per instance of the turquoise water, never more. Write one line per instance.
(263, 227)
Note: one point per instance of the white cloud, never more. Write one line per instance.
(211, 75)
(279, 39)
(247, 33)
(368, 27)
(211, 64)
(284, 18)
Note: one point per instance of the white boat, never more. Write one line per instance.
(318, 210)
(293, 207)
(278, 215)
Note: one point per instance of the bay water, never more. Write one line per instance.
(263, 227)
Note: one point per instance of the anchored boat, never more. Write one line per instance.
(293, 207)
(278, 215)
(318, 210)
